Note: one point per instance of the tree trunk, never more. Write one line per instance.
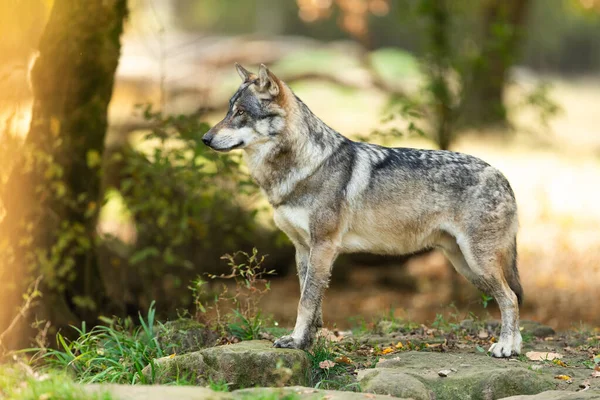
(53, 197)
(484, 85)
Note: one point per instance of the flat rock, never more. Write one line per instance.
(299, 392)
(484, 378)
(392, 382)
(156, 392)
(159, 392)
(241, 365)
(558, 395)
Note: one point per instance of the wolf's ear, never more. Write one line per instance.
(267, 81)
(244, 73)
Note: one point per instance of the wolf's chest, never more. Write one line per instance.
(295, 222)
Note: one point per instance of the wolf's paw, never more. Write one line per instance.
(507, 346)
(289, 342)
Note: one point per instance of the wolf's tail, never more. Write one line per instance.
(511, 274)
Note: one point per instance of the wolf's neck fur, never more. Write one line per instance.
(306, 143)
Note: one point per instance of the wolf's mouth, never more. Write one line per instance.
(226, 149)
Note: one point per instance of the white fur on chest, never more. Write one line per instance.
(295, 222)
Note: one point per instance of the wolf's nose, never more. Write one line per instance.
(205, 140)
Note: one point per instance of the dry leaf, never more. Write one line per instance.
(559, 362)
(173, 355)
(596, 374)
(542, 356)
(399, 345)
(483, 334)
(326, 364)
(343, 360)
(369, 396)
(565, 378)
(387, 350)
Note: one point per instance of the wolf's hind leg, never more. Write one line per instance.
(485, 271)
(315, 281)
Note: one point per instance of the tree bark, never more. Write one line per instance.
(52, 198)
(503, 26)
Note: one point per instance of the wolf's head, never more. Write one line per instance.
(256, 113)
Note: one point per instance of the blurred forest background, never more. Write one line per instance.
(109, 200)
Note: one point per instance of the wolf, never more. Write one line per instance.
(332, 195)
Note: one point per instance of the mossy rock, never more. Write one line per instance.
(184, 336)
(559, 395)
(241, 365)
(473, 376)
(387, 381)
(302, 393)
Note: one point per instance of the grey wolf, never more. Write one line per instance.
(332, 195)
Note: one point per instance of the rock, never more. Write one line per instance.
(536, 329)
(467, 324)
(299, 392)
(558, 395)
(444, 373)
(156, 392)
(392, 382)
(244, 364)
(487, 378)
(184, 336)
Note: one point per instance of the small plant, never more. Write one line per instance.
(218, 386)
(245, 321)
(112, 353)
(326, 373)
(485, 300)
(245, 328)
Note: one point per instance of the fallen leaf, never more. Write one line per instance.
(565, 378)
(387, 350)
(343, 360)
(542, 356)
(444, 373)
(596, 374)
(326, 364)
(559, 362)
(173, 355)
(483, 334)
(369, 396)
(399, 345)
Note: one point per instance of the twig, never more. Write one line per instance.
(32, 294)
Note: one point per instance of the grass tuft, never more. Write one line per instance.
(112, 353)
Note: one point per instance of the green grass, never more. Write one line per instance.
(16, 383)
(113, 353)
(336, 377)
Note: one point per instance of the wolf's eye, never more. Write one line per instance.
(240, 112)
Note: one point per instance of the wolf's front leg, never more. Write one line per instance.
(302, 260)
(312, 286)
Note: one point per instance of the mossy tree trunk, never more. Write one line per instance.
(502, 31)
(52, 198)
